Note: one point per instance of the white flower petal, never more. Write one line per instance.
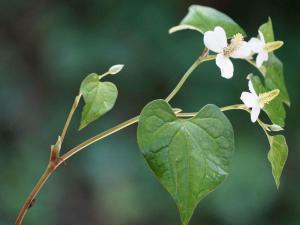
(221, 34)
(256, 45)
(261, 36)
(255, 113)
(225, 64)
(215, 40)
(261, 57)
(249, 99)
(251, 88)
(242, 52)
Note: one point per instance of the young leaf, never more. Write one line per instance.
(277, 156)
(275, 109)
(190, 157)
(99, 98)
(203, 18)
(267, 30)
(274, 78)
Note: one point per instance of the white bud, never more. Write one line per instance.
(115, 69)
(275, 127)
(177, 110)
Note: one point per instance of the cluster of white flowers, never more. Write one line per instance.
(216, 41)
(238, 48)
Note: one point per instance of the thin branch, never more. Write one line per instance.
(98, 137)
(33, 194)
(204, 57)
(70, 116)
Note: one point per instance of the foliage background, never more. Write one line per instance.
(47, 48)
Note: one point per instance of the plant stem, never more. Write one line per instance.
(204, 57)
(226, 108)
(70, 116)
(243, 107)
(265, 130)
(183, 79)
(30, 199)
(98, 137)
(54, 165)
(232, 107)
(104, 75)
(254, 64)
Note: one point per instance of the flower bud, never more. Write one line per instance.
(115, 69)
(275, 127)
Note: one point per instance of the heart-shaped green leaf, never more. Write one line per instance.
(277, 156)
(190, 157)
(203, 18)
(99, 98)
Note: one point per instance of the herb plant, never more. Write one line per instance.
(190, 152)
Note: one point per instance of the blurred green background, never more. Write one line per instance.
(48, 47)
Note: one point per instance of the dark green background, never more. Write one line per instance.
(48, 47)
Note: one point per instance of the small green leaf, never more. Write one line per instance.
(275, 109)
(99, 98)
(274, 78)
(203, 18)
(190, 157)
(267, 30)
(277, 156)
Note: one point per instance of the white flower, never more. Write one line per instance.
(216, 41)
(115, 69)
(250, 99)
(257, 102)
(262, 48)
(258, 46)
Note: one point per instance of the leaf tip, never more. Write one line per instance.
(82, 125)
(277, 182)
(269, 19)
